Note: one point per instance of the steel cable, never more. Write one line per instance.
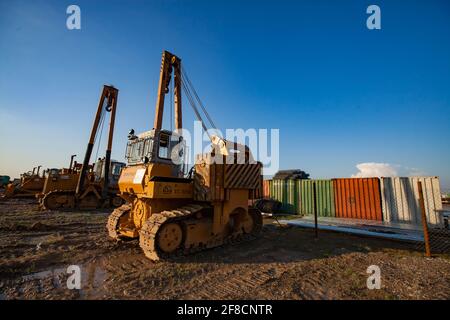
(102, 122)
(185, 76)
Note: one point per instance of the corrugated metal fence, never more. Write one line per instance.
(387, 199)
(266, 188)
(286, 191)
(358, 198)
(400, 199)
(324, 197)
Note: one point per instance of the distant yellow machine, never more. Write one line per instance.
(30, 184)
(64, 181)
(176, 214)
(87, 186)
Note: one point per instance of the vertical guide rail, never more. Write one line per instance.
(112, 103)
(316, 228)
(177, 94)
(426, 235)
(71, 162)
(109, 95)
(162, 90)
(90, 146)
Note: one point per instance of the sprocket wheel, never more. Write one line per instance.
(52, 201)
(169, 237)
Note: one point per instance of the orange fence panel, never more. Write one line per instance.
(266, 188)
(358, 198)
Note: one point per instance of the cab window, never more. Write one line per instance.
(163, 151)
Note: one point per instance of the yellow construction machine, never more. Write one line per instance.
(172, 213)
(30, 184)
(87, 186)
(64, 179)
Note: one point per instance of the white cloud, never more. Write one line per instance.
(374, 169)
(377, 169)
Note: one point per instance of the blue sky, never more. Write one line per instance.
(339, 93)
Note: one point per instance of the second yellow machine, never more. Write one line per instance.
(176, 213)
(87, 186)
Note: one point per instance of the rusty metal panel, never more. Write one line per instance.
(357, 198)
(266, 188)
(400, 199)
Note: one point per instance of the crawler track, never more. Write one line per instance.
(49, 202)
(149, 232)
(114, 218)
(46, 202)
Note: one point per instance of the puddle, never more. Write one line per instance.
(41, 240)
(44, 274)
(92, 277)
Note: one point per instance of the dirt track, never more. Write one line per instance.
(285, 263)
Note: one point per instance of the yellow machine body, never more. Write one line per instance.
(63, 181)
(136, 181)
(30, 185)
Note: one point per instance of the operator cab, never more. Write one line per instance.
(114, 171)
(156, 146)
(53, 172)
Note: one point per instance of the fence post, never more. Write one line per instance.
(316, 229)
(426, 235)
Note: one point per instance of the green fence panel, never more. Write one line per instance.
(286, 191)
(324, 197)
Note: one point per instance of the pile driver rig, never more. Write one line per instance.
(88, 186)
(172, 213)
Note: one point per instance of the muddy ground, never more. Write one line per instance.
(284, 263)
